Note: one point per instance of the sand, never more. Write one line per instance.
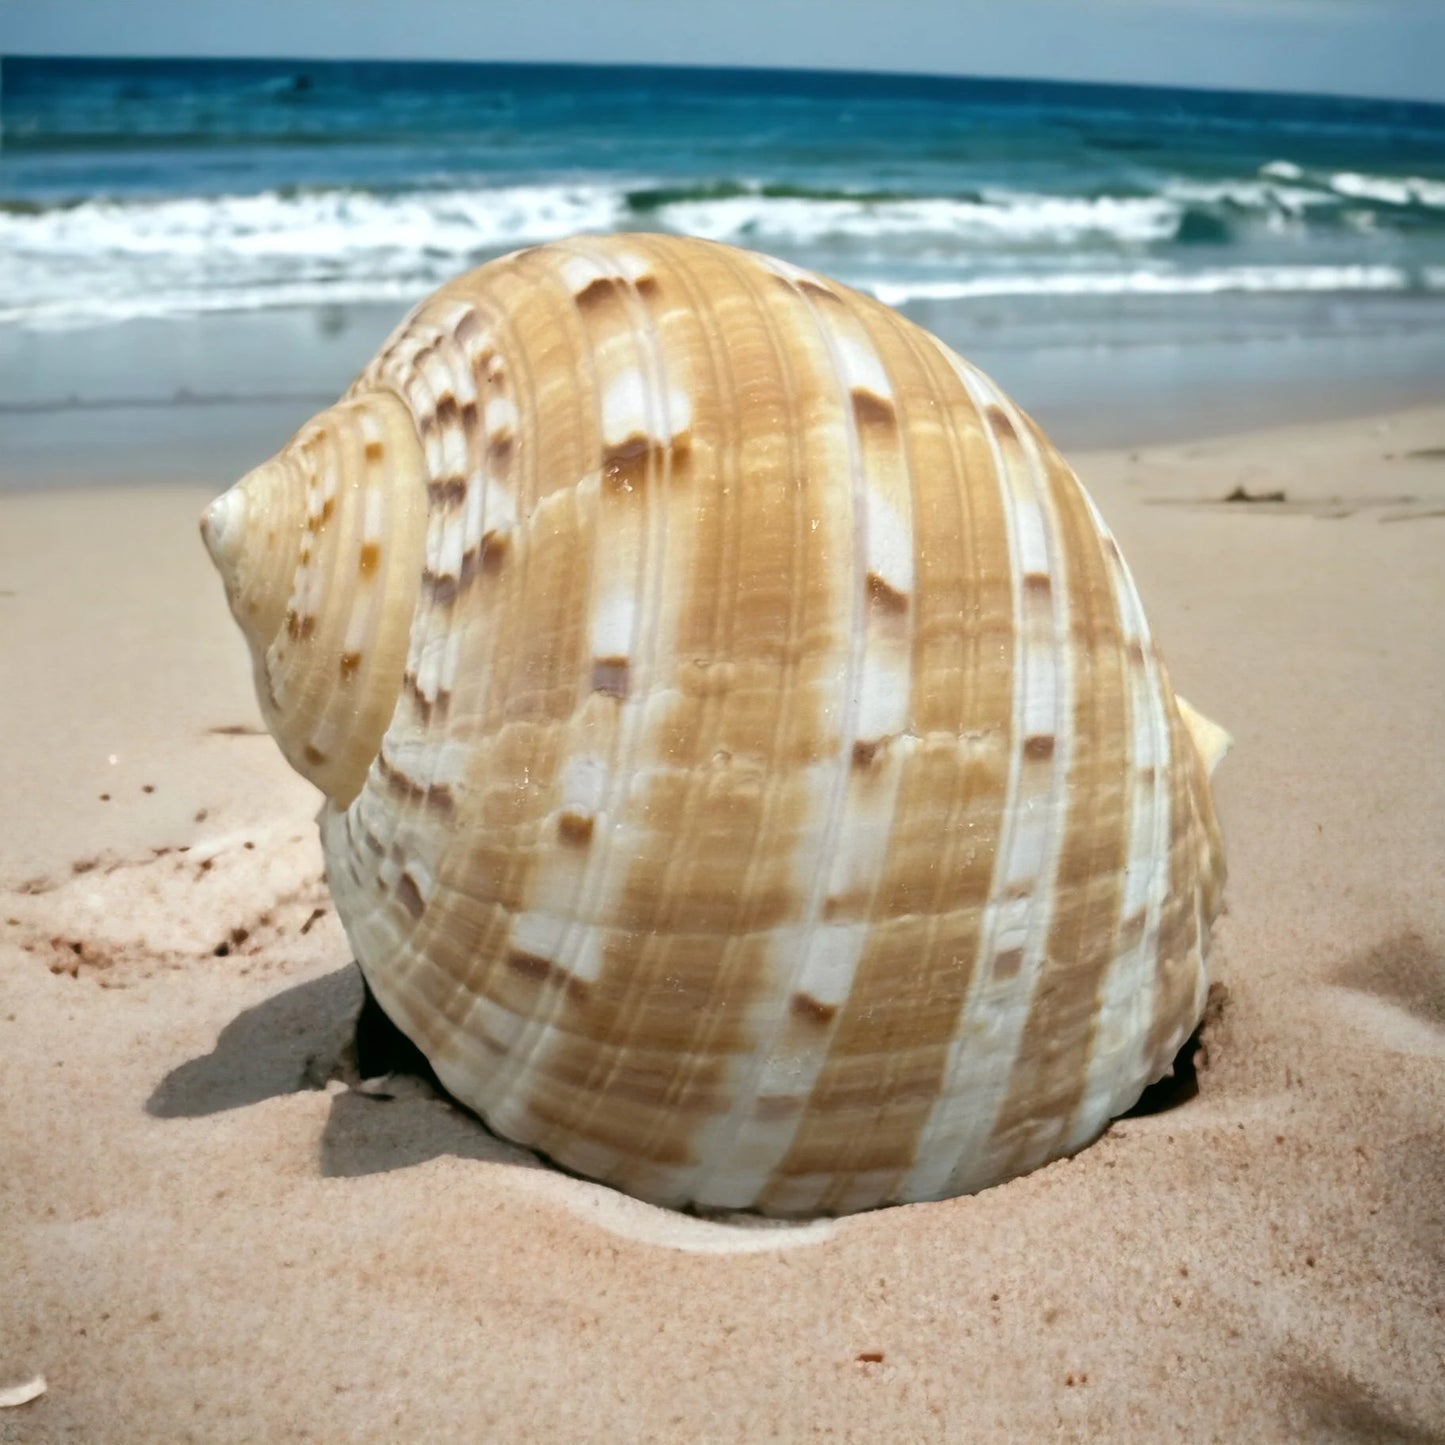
(210, 1231)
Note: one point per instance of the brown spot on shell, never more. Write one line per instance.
(409, 895)
(597, 291)
(999, 421)
(495, 546)
(408, 790)
(778, 1106)
(370, 558)
(448, 411)
(646, 284)
(1136, 653)
(1039, 748)
(865, 751)
(350, 661)
(1007, 964)
(447, 491)
(1146, 777)
(624, 465)
(610, 675)
(467, 329)
(1040, 584)
(543, 970)
(500, 446)
(443, 587)
(575, 828)
(313, 755)
(470, 418)
(375, 450)
(299, 628)
(884, 595)
(811, 1010)
(427, 707)
(315, 521)
(440, 799)
(810, 287)
(870, 409)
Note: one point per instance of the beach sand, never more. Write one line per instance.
(210, 1233)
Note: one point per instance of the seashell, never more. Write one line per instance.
(750, 778)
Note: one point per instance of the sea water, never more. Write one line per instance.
(1061, 223)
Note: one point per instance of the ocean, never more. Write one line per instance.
(1083, 231)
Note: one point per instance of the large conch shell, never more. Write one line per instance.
(750, 777)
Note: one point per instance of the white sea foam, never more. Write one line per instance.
(1392, 190)
(1328, 188)
(108, 260)
(1142, 282)
(997, 216)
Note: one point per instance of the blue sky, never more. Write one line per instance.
(1390, 48)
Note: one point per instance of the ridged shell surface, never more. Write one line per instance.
(752, 779)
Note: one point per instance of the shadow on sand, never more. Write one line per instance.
(331, 1029)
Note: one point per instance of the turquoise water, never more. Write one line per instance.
(196, 255)
(156, 188)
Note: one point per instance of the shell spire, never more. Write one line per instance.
(317, 549)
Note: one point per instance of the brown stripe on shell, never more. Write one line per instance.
(369, 558)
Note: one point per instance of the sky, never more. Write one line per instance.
(1388, 48)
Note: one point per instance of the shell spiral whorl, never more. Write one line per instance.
(752, 780)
